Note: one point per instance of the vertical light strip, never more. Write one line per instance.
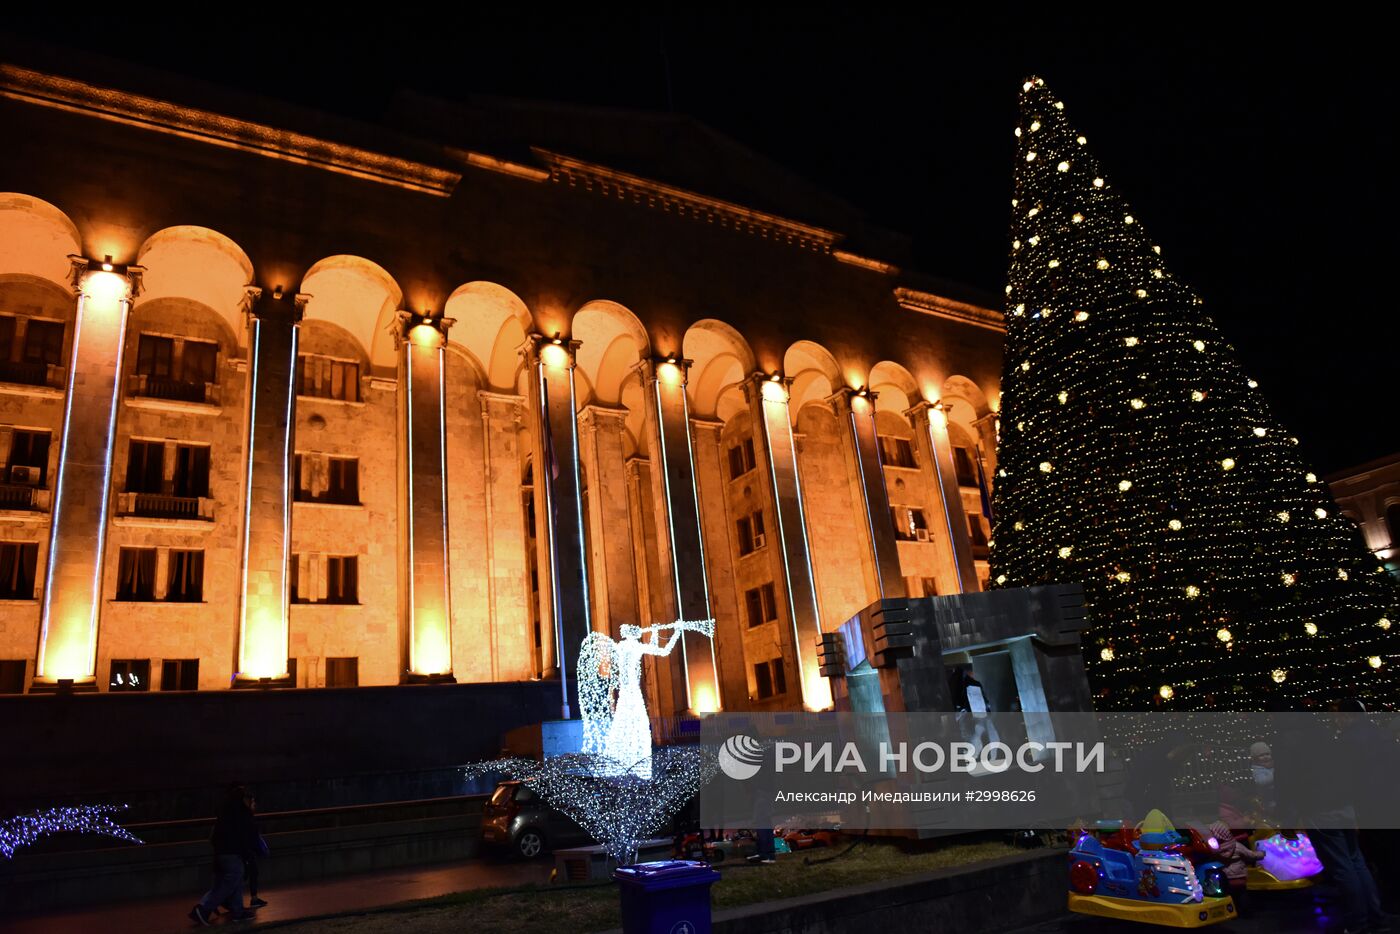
(58, 483)
(865, 497)
(544, 479)
(248, 487)
(442, 484)
(412, 569)
(943, 496)
(284, 612)
(578, 500)
(671, 527)
(104, 499)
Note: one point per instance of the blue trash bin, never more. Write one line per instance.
(670, 896)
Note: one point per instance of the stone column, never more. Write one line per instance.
(550, 365)
(930, 423)
(604, 456)
(78, 527)
(768, 399)
(422, 342)
(717, 525)
(507, 562)
(857, 410)
(679, 534)
(269, 428)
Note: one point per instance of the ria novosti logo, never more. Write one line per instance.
(741, 757)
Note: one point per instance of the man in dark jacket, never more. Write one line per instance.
(235, 839)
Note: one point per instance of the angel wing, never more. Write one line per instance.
(597, 683)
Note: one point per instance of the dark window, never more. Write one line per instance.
(763, 680)
(342, 579)
(12, 676)
(191, 470)
(322, 479)
(977, 530)
(966, 466)
(294, 581)
(342, 672)
(184, 582)
(741, 459)
(17, 563)
(130, 674)
(43, 342)
(136, 574)
(750, 530)
(909, 524)
(1392, 523)
(8, 326)
(325, 378)
(930, 587)
(179, 674)
(292, 671)
(155, 357)
(770, 678)
(28, 450)
(344, 481)
(761, 604)
(199, 362)
(896, 452)
(145, 466)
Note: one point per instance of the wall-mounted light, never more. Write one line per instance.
(107, 263)
(277, 292)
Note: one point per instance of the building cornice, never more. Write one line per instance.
(627, 187)
(149, 113)
(930, 304)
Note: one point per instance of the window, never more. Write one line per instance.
(184, 581)
(294, 585)
(342, 584)
(741, 459)
(145, 466)
(322, 479)
(930, 586)
(199, 363)
(130, 674)
(909, 524)
(191, 470)
(8, 326)
(342, 672)
(17, 563)
(751, 535)
(29, 450)
(978, 531)
(326, 378)
(136, 574)
(43, 342)
(770, 678)
(155, 357)
(966, 467)
(12, 676)
(896, 452)
(761, 604)
(179, 674)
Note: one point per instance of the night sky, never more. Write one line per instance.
(1260, 157)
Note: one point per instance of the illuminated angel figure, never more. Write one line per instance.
(615, 721)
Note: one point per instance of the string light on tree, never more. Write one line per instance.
(1138, 383)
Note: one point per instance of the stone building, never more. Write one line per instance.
(292, 400)
(1369, 495)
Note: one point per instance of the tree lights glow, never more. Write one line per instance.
(1204, 581)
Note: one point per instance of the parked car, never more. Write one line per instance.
(517, 818)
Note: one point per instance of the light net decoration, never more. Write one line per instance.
(26, 828)
(1138, 458)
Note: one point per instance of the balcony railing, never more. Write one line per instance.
(166, 506)
(163, 387)
(14, 496)
(31, 373)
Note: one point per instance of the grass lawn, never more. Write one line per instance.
(539, 909)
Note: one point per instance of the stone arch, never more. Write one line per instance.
(611, 342)
(895, 387)
(359, 296)
(199, 265)
(720, 362)
(491, 325)
(814, 373)
(36, 238)
(968, 403)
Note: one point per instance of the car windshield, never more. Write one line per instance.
(502, 794)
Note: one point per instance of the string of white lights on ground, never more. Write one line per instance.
(1137, 458)
(610, 802)
(21, 831)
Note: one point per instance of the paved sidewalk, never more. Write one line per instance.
(306, 899)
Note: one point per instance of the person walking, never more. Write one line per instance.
(234, 840)
(250, 863)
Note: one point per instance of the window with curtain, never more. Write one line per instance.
(191, 470)
(184, 582)
(328, 378)
(145, 466)
(155, 356)
(896, 452)
(18, 561)
(342, 579)
(136, 574)
(43, 342)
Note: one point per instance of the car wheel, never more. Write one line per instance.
(529, 843)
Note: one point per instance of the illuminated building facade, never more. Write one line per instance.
(1369, 495)
(288, 400)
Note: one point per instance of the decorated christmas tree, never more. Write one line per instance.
(1138, 458)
